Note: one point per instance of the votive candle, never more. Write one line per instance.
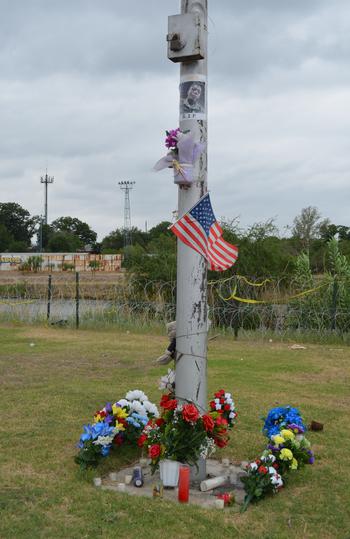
(184, 484)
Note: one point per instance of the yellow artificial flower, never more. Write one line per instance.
(278, 439)
(287, 434)
(119, 412)
(286, 454)
(294, 465)
(97, 418)
(120, 426)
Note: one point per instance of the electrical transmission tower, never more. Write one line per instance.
(126, 186)
(46, 180)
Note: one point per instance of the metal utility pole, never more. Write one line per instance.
(46, 180)
(187, 43)
(126, 186)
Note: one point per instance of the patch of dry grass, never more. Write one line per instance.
(51, 389)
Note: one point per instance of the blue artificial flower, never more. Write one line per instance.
(86, 436)
(105, 450)
(280, 417)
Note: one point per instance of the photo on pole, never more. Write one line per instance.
(192, 100)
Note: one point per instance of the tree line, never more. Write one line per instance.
(152, 255)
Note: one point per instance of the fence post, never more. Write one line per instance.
(49, 296)
(334, 304)
(77, 299)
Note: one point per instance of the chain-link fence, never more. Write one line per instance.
(238, 304)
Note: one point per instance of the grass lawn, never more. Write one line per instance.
(51, 389)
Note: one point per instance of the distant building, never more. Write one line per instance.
(62, 261)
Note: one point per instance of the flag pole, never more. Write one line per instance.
(191, 300)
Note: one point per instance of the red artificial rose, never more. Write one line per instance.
(262, 469)
(221, 422)
(217, 395)
(275, 465)
(227, 407)
(160, 421)
(258, 462)
(221, 441)
(212, 405)
(190, 413)
(164, 400)
(119, 439)
(222, 401)
(222, 391)
(208, 423)
(154, 451)
(141, 441)
(170, 404)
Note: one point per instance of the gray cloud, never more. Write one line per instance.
(86, 89)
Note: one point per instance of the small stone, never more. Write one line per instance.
(219, 504)
(97, 481)
(113, 476)
(244, 464)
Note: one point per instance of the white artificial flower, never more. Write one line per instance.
(272, 470)
(151, 408)
(104, 440)
(123, 403)
(232, 415)
(276, 480)
(272, 458)
(216, 401)
(167, 381)
(136, 394)
(253, 466)
(136, 406)
(228, 395)
(217, 406)
(229, 401)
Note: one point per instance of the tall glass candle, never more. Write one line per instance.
(184, 484)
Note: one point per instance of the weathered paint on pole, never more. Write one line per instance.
(191, 301)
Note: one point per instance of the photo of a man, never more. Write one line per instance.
(192, 100)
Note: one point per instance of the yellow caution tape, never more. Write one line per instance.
(286, 300)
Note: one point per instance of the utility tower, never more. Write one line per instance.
(127, 186)
(46, 180)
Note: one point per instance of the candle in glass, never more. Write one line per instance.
(184, 484)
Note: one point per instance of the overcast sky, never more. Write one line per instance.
(86, 90)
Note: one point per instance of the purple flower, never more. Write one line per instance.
(108, 407)
(311, 460)
(296, 427)
(171, 140)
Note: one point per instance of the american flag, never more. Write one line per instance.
(199, 229)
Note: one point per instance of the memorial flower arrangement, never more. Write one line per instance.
(223, 405)
(282, 417)
(183, 154)
(287, 450)
(182, 433)
(262, 478)
(113, 425)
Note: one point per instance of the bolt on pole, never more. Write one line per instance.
(191, 301)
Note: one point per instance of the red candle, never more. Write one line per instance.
(184, 484)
